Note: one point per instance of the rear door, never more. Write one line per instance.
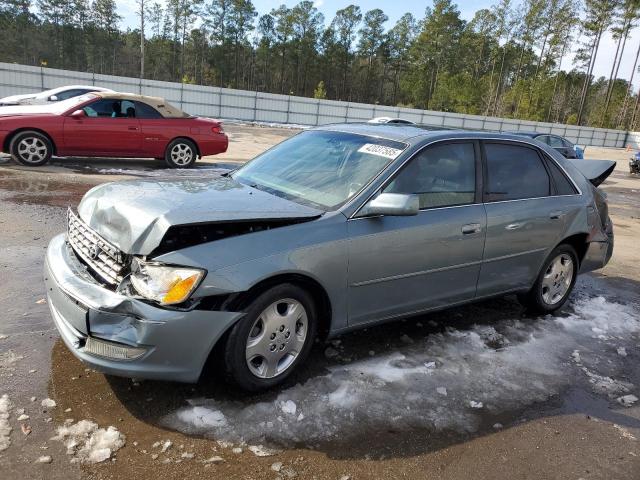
(404, 265)
(526, 215)
(156, 131)
(109, 128)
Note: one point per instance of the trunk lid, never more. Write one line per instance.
(596, 171)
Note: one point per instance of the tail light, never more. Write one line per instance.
(217, 129)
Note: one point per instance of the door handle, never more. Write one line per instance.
(556, 215)
(514, 226)
(132, 128)
(471, 228)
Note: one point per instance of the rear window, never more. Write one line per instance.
(562, 183)
(514, 172)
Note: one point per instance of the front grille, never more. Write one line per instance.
(105, 260)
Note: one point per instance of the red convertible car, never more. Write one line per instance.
(108, 125)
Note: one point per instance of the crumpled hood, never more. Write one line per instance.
(135, 215)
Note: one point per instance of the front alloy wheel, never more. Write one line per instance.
(276, 338)
(32, 149)
(272, 339)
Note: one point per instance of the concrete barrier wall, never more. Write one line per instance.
(267, 107)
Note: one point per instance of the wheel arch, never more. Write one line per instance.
(579, 243)
(315, 289)
(9, 138)
(237, 302)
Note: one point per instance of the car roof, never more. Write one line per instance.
(160, 104)
(532, 134)
(414, 134)
(74, 87)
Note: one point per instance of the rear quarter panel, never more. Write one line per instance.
(158, 133)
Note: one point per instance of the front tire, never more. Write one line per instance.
(181, 153)
(31, 149)
(273, 338)
(554, 283)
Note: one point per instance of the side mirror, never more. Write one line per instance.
(53, 98)
(78, 114)
(392, 204)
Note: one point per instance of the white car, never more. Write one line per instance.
(53, 95)
(391, 120)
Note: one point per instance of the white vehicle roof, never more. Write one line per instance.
(53, 91)
(390, 120)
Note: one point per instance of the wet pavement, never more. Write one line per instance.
(481, 391)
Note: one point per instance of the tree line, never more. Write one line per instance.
(532, 59)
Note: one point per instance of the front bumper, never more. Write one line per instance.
(169, 344)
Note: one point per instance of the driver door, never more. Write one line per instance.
(108, 128)
(403, 265)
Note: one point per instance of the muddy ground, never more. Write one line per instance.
(390, 402)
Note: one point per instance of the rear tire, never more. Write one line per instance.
(31, 148)
(554, 283)
(272, 339)
(181, 153)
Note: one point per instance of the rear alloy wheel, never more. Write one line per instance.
(273, 338)
(31, 149)
(555, 281)
(181, 153)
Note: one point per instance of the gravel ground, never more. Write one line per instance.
(481, 391)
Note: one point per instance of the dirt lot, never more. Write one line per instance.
(391, 402)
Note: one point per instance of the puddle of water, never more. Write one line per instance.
(41, 190)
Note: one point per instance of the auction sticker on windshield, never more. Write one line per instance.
(380, 150)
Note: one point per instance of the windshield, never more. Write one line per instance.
(320, 168)
(64, 105)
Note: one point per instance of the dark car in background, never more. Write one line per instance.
(560, 144)
(634, 163)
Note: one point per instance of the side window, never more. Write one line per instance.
(543, 139)
(555, 142)
(566, 143)
(128, 109)
(146, 111)
(563, 185)
(514, 172)
(100, 108)
(110, 108)
(69, 94)
(441, 176)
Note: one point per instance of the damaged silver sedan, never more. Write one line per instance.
(335, 229)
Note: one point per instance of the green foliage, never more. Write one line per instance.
(320, 93)
(511, 59)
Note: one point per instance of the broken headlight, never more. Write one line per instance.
(165, 284)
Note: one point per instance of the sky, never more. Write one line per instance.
(396, 8)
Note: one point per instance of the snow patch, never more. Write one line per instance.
(5, 428)
(511, 364)
(88, 443)
(48, 403)
(262, 451)
(201, 417)
(9, 359)
(288, 407)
